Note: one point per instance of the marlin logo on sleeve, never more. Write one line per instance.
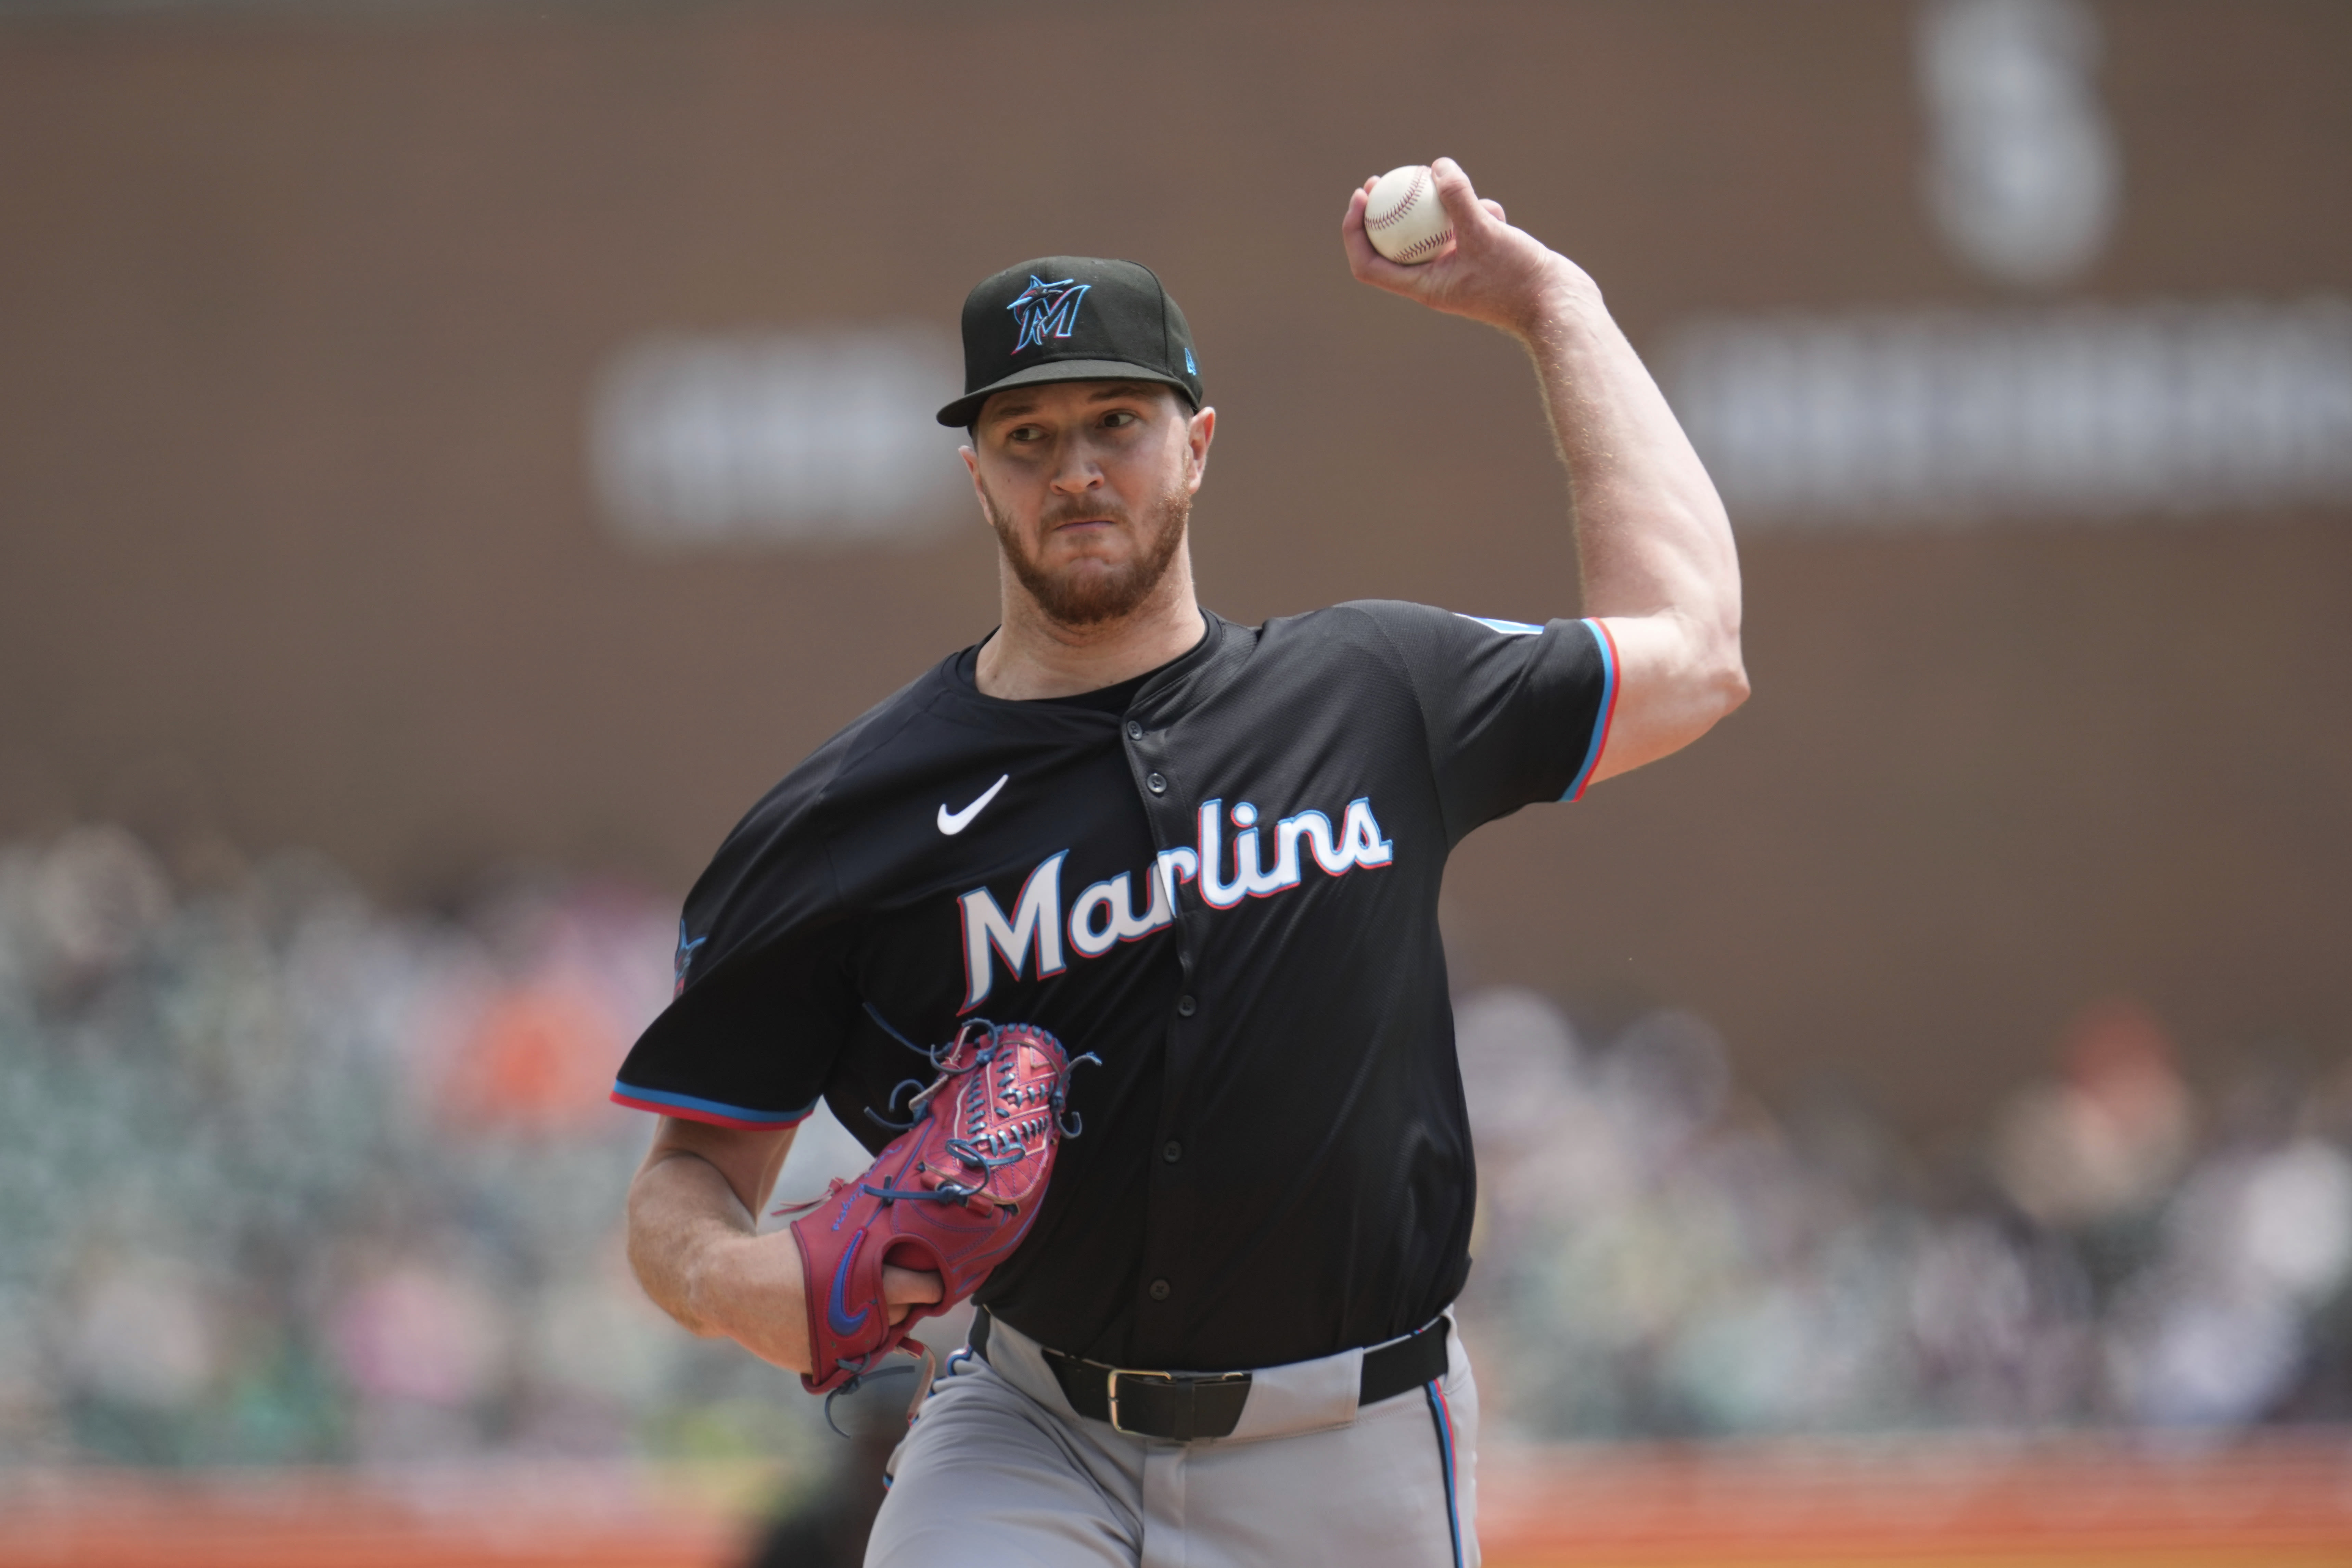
(1508, 628)
(1047, 311)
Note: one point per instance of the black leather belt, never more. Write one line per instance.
(1183, 1405)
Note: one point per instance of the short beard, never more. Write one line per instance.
(1072, 600)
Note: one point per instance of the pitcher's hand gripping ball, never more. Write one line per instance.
(1404, 218)
(954, 1194)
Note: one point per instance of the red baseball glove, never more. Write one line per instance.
(954, 1192)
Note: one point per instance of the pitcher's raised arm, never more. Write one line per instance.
(1659, 567)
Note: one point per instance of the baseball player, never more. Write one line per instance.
(1210, 855)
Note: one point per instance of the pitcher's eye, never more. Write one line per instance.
(1118, 418)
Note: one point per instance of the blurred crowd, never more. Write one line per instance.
(285, 1176)
(1660, 1256)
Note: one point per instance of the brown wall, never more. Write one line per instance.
(298, 320)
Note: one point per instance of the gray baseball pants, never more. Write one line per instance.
(999, 1470)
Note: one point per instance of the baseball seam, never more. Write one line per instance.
(1424, 247)
(1411, 200)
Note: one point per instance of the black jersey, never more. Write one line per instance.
(1228, 893)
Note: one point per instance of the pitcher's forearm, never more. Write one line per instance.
(1652, 535)
(696, 1248)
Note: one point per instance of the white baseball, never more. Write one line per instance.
(1403, 217)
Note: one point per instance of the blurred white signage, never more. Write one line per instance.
(2022, 171)
(1894, 418)
(1885, 418)
(778, 438)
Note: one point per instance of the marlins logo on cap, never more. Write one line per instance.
(1072, 318)
(1046, 309)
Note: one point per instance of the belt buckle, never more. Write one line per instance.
(1116, 1374)
(1190, 1383)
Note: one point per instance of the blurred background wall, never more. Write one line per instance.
(457, 437)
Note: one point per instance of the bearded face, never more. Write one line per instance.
(1088, 488)
(1091, 559)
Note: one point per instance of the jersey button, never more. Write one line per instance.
(1155, 783)
(1160, 1290)
(1134, 730)
(1173, 1151)
(1186, 1007)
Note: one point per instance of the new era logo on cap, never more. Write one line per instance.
(1071, 319)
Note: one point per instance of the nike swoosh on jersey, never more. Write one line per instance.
(954, 822)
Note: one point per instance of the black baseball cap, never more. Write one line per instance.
(1071, 319)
